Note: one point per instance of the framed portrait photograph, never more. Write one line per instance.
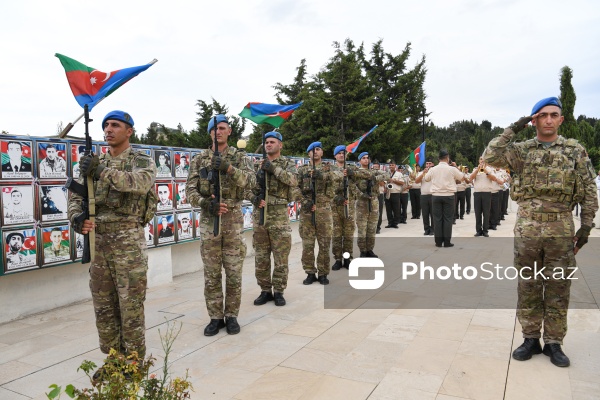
(162, 159)
(16, 159)
(185, 226)
(164, 190)
(197, 223)
(182, 164)
(149, 233)
(20, 249)
(165, 228)
(104, 149)
(292, 211)
(56, 244)
(247, 214)
(17, 204)
(181, 196)
(52, 160)
(53, 202)
(141, 149)
(77, 244)
(77, 151)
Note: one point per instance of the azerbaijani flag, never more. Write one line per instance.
(352, 147)
(89, 85)
(273, 114)
(418, 156)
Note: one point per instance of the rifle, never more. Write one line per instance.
(264, 187)
(346, 212)
(87, 192)
(369, 189)
(313, 189)
(217, 183)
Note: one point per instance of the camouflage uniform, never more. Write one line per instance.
(548, 182)
(343, 227)
(366, 221)
(275, 236)
(118, 270)
(227, 250)
(325, 191)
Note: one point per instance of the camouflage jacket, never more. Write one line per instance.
(368, 181)
(233, 185)
(353, 191)
(547, 179)
(122, 189)
(282, 185)
(325, 184)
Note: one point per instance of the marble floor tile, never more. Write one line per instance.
(280, 383)
(475, 378)
(429, 355)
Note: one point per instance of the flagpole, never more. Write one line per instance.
(70, 125)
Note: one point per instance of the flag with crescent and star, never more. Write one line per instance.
(89, 85)
(352, 147)
(273, 114)
(418, 155)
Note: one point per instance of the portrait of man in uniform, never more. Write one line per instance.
(183, 166)
(20, 250)
(185, 229)
(163, 164)
(16, 159)
(17, 204)
(54, 202)
(53, 163)
(77, 151)
(165, 228)
(56, 244)
(181, 196)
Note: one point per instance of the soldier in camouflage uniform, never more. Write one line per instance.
(367, 204)
(226, 250)
(319, 228)
(275, 234)
(344, 224)
(123, 187)
(551, 175)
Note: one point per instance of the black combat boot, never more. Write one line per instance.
(347, 263)
(213, 328)
(310, 278)
(263, 298)
(337, 265)
(323, 280)
(233, 328)
(279, 300)
(371, 254)
(529, 347)
(557, 357)
(363, 254)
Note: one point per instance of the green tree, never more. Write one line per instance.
(568, 99)
(199, 137)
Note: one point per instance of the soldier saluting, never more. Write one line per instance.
(551, 175)
(225, 250)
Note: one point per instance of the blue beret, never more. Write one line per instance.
(361, 155)
(313, 145)
(339, 148)
(119, 116)
(549, 101)
(211, 123)
(274, 134)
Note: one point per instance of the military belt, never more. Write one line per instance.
(544, 216)
(113, 227)
(277, 205)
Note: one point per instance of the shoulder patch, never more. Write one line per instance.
(572, 142)
(142, 162)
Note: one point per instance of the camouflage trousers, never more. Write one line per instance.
(343, 231)
(322, 234)
(544, 302)
(118, 285)
(225, 251)
(366, 223)
(275, 236)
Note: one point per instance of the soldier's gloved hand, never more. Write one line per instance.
(349, 173)
(268, 166)
(211, 206)
(88, 165)
(365, 196)
(520, 124)
(257, 199)
(219, 163)
(307, 205)
(317, 173)
(582, 235)
(339, 199)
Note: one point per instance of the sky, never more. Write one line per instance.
(485, 59)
